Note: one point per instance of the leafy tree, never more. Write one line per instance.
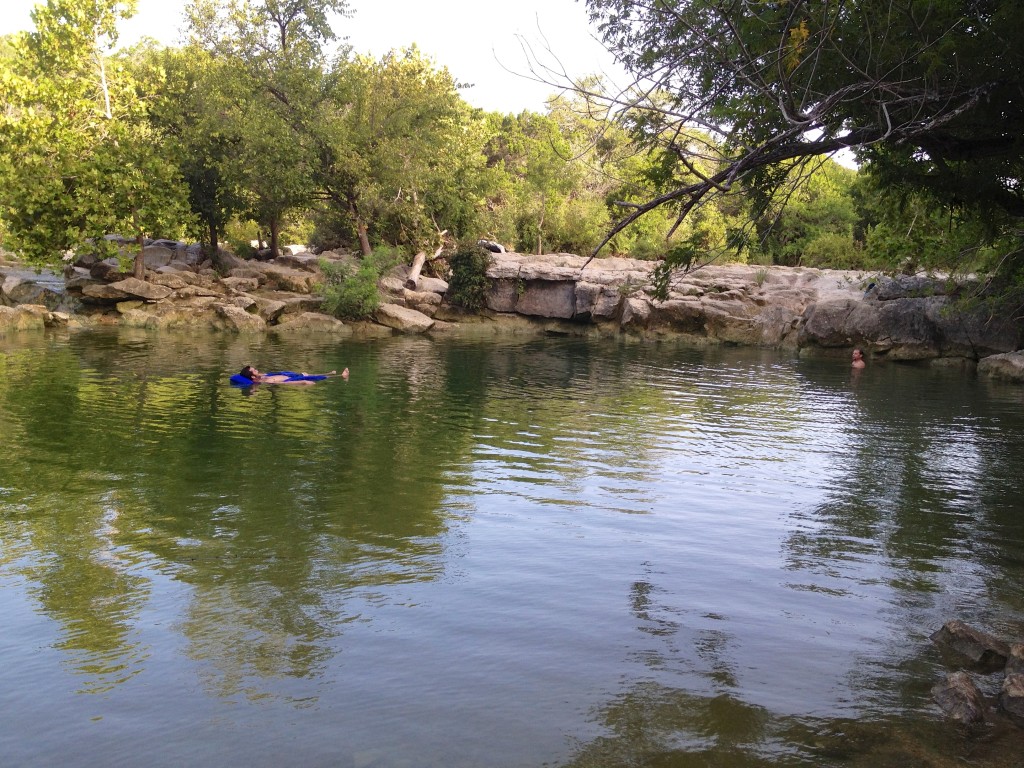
(78, 158)
(928, 92)
(393, 149)
(195, 108)
(818, 207)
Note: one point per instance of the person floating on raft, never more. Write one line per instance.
(249, 376)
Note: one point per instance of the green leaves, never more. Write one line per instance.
(78, 158)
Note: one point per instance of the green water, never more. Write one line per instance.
(525, 552)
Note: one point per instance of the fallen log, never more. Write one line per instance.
(412, 282)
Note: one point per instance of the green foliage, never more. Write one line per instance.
(931, 104)
(468, 283)
(78, 157)
(810, 220)
(351, 291)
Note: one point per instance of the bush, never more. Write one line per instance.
(350, 290)
(831, 250)
(468, 284)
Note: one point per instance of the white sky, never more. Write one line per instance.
(477, 40)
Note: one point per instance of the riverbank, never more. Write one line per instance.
(805, 310)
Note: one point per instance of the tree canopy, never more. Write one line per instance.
(264, 124)
(928, 93)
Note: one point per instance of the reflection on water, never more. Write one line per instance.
(505, 554)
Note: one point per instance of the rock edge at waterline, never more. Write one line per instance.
(801, 309)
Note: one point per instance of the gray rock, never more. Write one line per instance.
(502, 296)
(241, 283)
(108, 269)
(547, 299)
(1015, 661)
(311, 322)
(132, 286)
(104, 292)
(1011, 696)
(234, 318)
(975, 646)
(1005, 367)
(23, 318)
(403, 319)
(960, 698)
(158, 255)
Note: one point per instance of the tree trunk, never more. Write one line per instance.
(140, 259)
(364, 239)
(275, 233)
(540, 225)
(414, 273)
(214, 244)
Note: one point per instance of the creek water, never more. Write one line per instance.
(502, 552)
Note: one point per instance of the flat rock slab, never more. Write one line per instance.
(403, 319)
(132, 286)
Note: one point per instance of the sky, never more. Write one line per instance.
(481, 43)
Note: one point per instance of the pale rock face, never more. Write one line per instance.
(403, 319)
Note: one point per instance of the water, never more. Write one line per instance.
(528, 552)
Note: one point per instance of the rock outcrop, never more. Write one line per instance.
(800, 309)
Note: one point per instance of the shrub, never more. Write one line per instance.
(468, 284)
(350, 290)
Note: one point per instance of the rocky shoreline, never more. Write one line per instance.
(800, 309)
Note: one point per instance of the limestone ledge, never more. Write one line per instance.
(800, 309)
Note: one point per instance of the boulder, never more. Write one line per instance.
(1011, 695)
(977, 647)
(249, 271)
(103, 292)
(392, 285)
(1015, 661)
(269, 309)
(311, 322)
(541, 298)
(960, 698)
(402, 319)
(125, 306)
(1005, 367)
(132, 286)
(594, 300)
(432, 284)
(501, 296)
(158, 255)
(287, 279)
(108, 269)
(169, 279)
(636, 313)
(683, 315)
(234, 318)
(240, 283)
(301, 260)
(27, 317)
(421, 301)
(295, 304)
(193, 291)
